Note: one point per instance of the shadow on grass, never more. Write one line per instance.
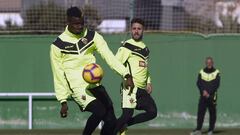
(216, 132)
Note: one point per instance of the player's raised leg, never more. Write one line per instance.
(109, 119)
(144, 102)
(98, 112)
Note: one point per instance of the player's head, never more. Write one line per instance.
(137, 26)
(209, 62)
(75, 20)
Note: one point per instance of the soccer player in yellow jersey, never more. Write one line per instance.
(70, 53)
(134, 54)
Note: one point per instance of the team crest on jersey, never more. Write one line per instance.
(143, 64)
(84, 40)
(83, 97)
(131, 100)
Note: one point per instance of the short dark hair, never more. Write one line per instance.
(209, 58)
(137, 20)
(74, 12)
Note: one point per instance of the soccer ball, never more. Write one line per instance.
(92, 73)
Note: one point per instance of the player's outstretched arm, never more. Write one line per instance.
(111, 60)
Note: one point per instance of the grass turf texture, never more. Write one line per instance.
(129, 132)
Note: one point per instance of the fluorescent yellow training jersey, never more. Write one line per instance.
(70, 53)
(134, 55)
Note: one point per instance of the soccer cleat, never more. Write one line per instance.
(123, 132)
(196, 132)
(210, 132)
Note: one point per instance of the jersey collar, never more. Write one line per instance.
(137, 43)
(74, 35)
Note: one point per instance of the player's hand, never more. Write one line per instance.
(149, 88)
(129, 82)
(64, 110)
(205, 94)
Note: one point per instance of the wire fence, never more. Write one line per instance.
(194, 16)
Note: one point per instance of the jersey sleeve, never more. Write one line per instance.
(60, 83)
(123, 54)
(216, 83)
(149, 78)
(200, 84)
(107, 55)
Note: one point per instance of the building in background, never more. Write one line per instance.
(10, 13)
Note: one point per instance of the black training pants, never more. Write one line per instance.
(98, 112)
(203, 105)
(109, 118)
(144, 102)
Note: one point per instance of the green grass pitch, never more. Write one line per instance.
(130, 132)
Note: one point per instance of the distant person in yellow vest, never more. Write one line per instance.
(208, 83)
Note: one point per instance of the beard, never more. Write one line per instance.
(137, 38)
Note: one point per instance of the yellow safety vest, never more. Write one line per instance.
(209, 76)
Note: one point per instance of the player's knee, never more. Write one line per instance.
(152, 111)
(153, 114)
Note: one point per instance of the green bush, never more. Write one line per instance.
(46, 16)
(50, 16)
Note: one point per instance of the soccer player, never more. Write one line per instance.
(208, 83)
(69, 54)
(134, 54)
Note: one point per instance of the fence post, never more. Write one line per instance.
(30, 112)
